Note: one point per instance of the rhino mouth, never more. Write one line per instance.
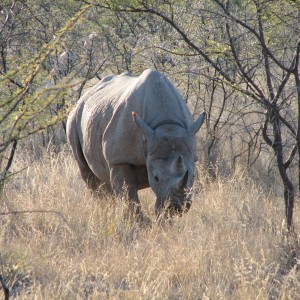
(179, 202)
(176, 203)
(178, 208)
(175, 208)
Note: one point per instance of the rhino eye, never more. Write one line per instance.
(156, 179)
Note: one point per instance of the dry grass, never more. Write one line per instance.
(231, 245)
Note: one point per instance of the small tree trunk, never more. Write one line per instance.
(289, 190)
(4, 287)
(289, 198)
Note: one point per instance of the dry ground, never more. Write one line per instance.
(231, 245)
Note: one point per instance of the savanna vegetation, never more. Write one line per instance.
(238, 61)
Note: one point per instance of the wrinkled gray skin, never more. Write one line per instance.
(155, 148)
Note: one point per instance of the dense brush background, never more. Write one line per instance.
(57, 241)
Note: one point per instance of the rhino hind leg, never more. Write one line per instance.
(91, 180)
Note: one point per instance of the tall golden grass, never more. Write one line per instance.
(70, 245)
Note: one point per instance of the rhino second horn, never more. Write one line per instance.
(182, 182)
(147, 130)
(177, 165)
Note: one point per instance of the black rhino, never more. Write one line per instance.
(157, 148)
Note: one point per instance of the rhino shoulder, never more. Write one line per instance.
(152, 75)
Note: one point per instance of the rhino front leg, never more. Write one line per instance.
(124, 181)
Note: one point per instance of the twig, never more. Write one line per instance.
(34, 211)
(13, 174)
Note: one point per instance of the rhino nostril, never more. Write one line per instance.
(156, 179)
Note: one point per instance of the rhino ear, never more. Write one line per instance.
(147, 130)
(192, 130)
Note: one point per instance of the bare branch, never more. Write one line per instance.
(242, 70)
(264, 132)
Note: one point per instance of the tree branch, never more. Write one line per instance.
(11, 156)
(265, 53)
(255, 33)
(291, 157)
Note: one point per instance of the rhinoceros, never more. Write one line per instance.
(136, 132)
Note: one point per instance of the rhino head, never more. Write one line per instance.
(170, 160)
